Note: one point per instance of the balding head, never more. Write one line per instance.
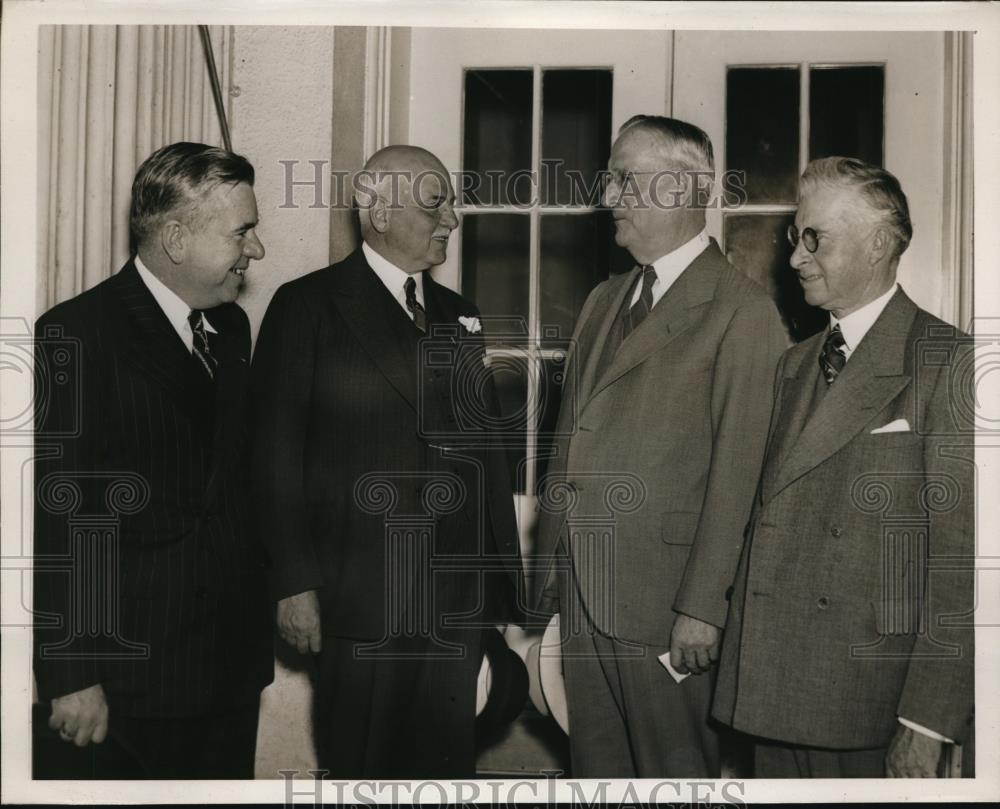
(405, 200)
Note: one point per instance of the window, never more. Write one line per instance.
(778, 118)
(534, 241)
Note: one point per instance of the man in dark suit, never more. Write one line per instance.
(381, 489)
(664, 427)
(847, 654)
(152, 621)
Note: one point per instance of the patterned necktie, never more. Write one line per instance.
(200, 347)
(832, 358)
(419, 316)
(642, 307)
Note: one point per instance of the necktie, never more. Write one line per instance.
(200, 347)
(832, 358)
(419, 316)
(642, 307)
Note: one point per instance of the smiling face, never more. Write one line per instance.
(418, 228)
(845, 272)
(220, 242)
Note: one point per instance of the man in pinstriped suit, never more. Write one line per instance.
(159, 636)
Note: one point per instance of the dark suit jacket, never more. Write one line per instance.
(824, 644)
(348, 424)
(140, 510)
(679, 417)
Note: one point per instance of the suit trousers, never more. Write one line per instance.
(406, 713)
(776, 760)
(627, 716)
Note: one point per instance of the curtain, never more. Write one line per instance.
(108, 97)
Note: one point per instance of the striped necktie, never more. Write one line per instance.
(419, 315)
(200, 348)
(642, 307)
(832, 358)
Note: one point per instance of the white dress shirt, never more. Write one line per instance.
(669, 267)
(856, 325)
(173, 307)
(394, 278)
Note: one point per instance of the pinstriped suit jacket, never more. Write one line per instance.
(148, 578)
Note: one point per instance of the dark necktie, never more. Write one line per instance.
(642, 307)
(200, 348)
(832, 358)
(419, 316)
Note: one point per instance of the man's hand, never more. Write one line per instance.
(81, 717)
(912, 755)
(298, 621)
(694, 645)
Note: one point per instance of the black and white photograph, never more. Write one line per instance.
(579, 402)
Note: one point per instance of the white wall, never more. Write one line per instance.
(283, 111)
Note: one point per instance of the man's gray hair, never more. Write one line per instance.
(879, 190)
(686, 146)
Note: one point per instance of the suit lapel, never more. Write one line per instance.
(378, 322)
(598, 330)
(673, 314)
(872, 378)
(150, 341)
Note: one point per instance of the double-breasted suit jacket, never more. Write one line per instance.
(678, 415)
(853, 597)
(149, 579)
(343, 401)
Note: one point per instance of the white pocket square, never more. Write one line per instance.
(897, 426)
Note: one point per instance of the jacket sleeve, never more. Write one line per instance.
(938, 692)
(741, 401)
(67, 404)
(281, 391)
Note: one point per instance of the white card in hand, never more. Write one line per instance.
(665, 660)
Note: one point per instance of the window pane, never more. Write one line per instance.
(576, 135)
(577, 253)
(762, 131)
(510, 374)
(845, 112)
(497, 137)
(757, 245)
(495, 271)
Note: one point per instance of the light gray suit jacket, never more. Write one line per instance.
(658, 455)
(853, 596)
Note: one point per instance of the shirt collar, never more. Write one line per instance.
(856, 325)
(172, 305)
(669, 267)
(393, 277)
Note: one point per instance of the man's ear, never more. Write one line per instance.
(174, 240)
(379, 215)
(881, 246)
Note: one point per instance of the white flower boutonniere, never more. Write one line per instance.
(472, 324)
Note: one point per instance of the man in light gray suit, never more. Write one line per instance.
(849, 647)
(664, 430)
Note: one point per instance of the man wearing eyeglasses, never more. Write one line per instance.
(673, 365)
(849, 648)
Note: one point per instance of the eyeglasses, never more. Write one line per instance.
(809, 238)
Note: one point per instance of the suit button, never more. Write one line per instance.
(822, 602)
(836, 531)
